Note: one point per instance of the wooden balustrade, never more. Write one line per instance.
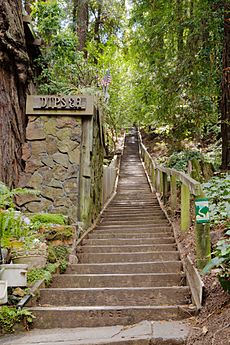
(109, 178)
(166, 182)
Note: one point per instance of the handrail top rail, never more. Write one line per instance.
(194, 186)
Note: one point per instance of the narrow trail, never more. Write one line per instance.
(129, 267)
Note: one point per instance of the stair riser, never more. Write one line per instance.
(133, 228)
(127, 257)
(132, 219)
(93, 281)
(139, 213)
(127, 249)
(114, 297)
(98, 318)
(134, 235)
(140, 241)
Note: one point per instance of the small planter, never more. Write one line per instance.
(14, 275)
(32, 261)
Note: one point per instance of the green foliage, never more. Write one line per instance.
(10, 316)
(59, 255)
(177, 52)
(49, 218)
(7, 196)
(221, 260)
(63, 68)
(217, 189)
(179, 160)
(42, 274)
(13, 226)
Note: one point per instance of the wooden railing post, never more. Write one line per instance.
(153, 178)
(203, 244)
(165, 187)
(161, 182)
(185, 207)
(173, 192)
(203, 241)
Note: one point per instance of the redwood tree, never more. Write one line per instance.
(80, 21)
(14, 77)
(225, 103)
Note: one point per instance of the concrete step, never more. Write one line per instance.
(121, 222)
(71, 317)
(142, 333)
(128, 235)
(127, 257)
(125, 296)
(125, 248)
(133, 212)
(155, 227)
(132, 230)
(136, 208)
(134, 203)
(132, 219)
(117, 280)
(166, 266)
(128, 241)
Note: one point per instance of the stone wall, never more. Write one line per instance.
(52, 159)
(64, 157)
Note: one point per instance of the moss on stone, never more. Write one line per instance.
(45, 218)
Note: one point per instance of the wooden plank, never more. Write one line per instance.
(194, 281)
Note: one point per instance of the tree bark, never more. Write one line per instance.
(15, 73)
(225, 101)
(80, 22)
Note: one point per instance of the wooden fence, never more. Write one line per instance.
(166, 182)
(110, 173)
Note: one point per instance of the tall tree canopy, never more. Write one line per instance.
(169, 61)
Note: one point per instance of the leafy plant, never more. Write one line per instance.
(42, 273)
(14, 228)
(179, 160)
(217, 189)
(59, 255)
(10, 316)
(7, 196)
(221, 260)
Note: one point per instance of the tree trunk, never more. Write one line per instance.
(225, 102)
(80, 22)
(14, 75)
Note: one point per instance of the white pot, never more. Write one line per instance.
(14, 274)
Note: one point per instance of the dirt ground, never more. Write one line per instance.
(212, 324)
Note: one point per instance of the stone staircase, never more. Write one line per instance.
(129, 267)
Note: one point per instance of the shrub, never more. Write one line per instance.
(217, 189)
(221, 260)
(10, 316)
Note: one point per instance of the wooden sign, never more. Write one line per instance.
(60, 105)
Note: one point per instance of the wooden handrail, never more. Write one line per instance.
(164, 181)
(194, 186)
